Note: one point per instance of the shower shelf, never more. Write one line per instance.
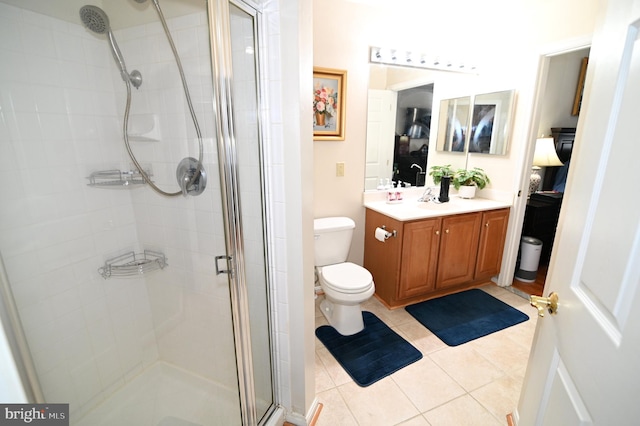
(117, 179)
(130, 264)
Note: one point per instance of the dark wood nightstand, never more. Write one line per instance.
(541, 220)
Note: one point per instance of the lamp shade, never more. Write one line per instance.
(545, 154)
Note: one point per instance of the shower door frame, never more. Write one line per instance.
(220, 32)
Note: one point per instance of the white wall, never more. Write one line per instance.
(473, 31)
(560, 91)
(56, 127)
(290, 71)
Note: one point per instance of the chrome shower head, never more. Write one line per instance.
(95, 19)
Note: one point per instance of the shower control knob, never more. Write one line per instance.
(191, 176)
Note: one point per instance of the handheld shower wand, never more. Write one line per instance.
(96, 20)
(191, 175)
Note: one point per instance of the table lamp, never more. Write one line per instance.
(544, 156)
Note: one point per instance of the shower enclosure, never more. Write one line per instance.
(135, 306)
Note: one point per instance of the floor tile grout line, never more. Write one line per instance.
(513, 375)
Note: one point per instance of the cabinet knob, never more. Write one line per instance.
(486, 224)
(437, 232)
(446, 231)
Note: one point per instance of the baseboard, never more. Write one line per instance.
(316, 415)
(310, 419)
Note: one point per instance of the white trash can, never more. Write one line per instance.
(530, 249)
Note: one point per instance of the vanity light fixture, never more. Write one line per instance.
(544, 156)
(385, 56)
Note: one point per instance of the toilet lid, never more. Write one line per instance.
(347, 277)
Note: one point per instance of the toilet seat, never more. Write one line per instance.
(347, 278)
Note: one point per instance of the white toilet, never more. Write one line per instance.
(345, 284)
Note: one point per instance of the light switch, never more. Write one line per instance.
(339, 169)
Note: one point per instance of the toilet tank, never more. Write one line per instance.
(332, 239)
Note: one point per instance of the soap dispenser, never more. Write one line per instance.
(444, 189)
(399, 192)
(391, 194)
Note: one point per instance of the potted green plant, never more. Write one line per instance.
(438, 172)
(467, 180)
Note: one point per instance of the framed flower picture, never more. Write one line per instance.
(329, 98)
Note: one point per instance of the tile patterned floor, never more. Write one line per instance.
(474, 384)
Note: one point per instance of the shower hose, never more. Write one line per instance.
(143, 173)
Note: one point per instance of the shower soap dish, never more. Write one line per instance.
(144, 128)
(117, 179)
(131, 263)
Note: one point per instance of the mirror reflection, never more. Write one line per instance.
(411, 140)
(491, 122)
(399, 122)
(454, 120)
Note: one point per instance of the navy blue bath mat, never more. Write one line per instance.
(371, 354)
(461, 317)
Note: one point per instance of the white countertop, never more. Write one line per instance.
(412, 209)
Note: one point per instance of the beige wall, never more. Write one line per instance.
(560, 92)
(507, 49)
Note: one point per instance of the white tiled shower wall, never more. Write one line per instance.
(61, 103)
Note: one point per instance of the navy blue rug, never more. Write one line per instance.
(371, 354)
(461, 317)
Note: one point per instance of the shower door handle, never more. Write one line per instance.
(228, 266)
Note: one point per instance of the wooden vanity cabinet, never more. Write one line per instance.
(458, 249)
(383, 259)
(492, 235)
(429, 257)
(420, 243)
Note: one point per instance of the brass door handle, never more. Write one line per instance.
(540, 303)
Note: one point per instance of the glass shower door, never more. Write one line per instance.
(155, 346)
(247, 139)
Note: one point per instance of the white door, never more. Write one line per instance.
(381, 121)
(585, 362)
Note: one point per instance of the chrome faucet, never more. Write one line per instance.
(427, 195)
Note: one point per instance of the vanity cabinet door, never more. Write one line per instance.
(492, 236)
(420, 243)
(458, 249)
(383, 259)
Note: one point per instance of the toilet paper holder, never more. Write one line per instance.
(388, 234)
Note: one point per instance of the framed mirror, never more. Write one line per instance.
(491, 122)
(453, 124)
(478, 124)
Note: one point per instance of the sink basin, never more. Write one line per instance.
(434, 206)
